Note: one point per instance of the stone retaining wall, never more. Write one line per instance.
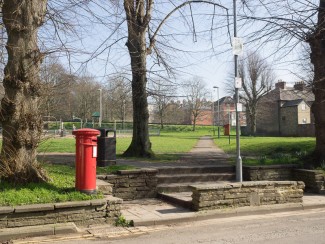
(269, 172)
(218, 196)
(314, 179)
(80, 212)
(133, 184)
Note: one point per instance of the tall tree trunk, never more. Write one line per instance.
(194, 124)
(137, 27)
(253, 120)
(21, 121)
(161, 122)
(317, 46)
(253, 124)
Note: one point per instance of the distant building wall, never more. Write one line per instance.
(205, 118)
(306, 130)
(267, 114)
(289, 121)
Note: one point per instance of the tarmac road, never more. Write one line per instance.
(297, 227)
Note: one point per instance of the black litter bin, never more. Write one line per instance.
(106, 148)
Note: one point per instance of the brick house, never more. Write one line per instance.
(226, 113)
(286, 111)
(205, 117)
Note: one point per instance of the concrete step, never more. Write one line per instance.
(193, 178)
(197, 169)
(183, 199)
(182, 187)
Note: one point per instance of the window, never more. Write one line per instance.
(303, 106)
(283, 118)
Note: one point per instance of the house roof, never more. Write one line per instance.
(293, 94)
(292, 103)
(226, 99)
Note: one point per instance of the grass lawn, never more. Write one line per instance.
(167, 146)
(60, 189)
(269, 150)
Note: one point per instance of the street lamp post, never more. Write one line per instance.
(218, 123)
(239, 174)
(100, 108)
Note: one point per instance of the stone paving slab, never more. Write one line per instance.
(146, 212)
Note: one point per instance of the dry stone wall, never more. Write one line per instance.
(133, 184)
(314, 179)
(272, 172)
(79, 212)
(219, 196)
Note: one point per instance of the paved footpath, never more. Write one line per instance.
(204, 153)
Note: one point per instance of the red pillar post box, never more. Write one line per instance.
(86, 154)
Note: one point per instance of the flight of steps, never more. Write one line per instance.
(174, 182)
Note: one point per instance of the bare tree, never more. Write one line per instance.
(162, 94)
(120, 99)
(196, 93)
(288, 25)
(86, 96)
(57, 86)
(257, 80)
(139, 16)
(20, 117)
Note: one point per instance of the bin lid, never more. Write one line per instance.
(104, 132)
(86, 131)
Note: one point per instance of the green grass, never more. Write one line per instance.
(269, 150)
(60, 189)
(58, 144)
(168, 146)
(255, 146)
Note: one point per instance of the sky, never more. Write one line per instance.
(185, 40)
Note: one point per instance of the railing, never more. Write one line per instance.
(152, 132)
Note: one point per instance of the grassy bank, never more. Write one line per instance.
(269, 150)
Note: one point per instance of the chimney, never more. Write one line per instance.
(280, 84)
(300, 86)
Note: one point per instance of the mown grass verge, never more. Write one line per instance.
(60, 189)
(269, 150)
